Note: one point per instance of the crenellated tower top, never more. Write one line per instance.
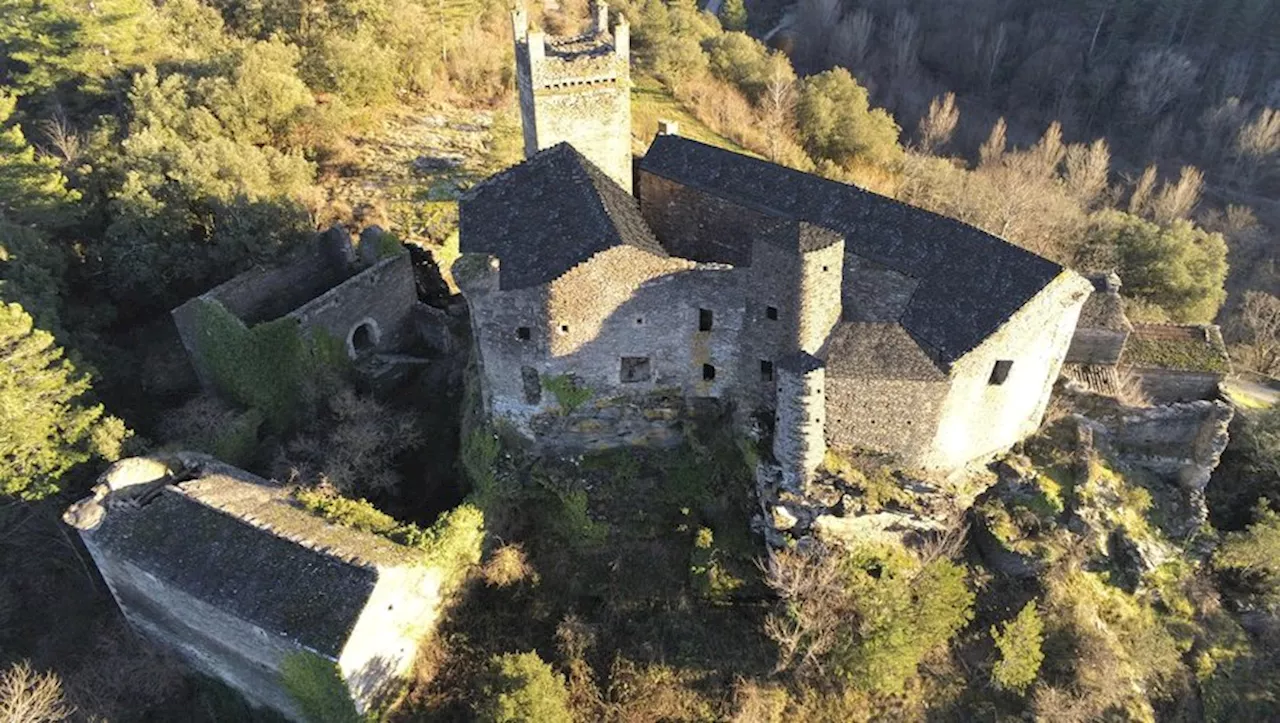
(577, 89)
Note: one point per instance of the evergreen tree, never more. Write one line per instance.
(46, 427)
(733, 14)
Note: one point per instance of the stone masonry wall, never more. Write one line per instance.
(896, 416)
(1166, 386)
(1096, 346)
(979, 418)
(210, 640)
(798, 437)
(622, 304)
(577, 91)
(382, 297)
(400, 613)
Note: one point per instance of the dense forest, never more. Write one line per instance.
(149, 151)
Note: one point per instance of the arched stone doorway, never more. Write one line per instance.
(363, 338)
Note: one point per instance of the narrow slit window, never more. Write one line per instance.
(771, 312)
(1000, 372)
(564, 328)
(705, 318)
(708, 373)
(766, 370)
(523, 333)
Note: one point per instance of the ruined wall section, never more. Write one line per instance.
(381, 299)
(577, 90)
(1167, 386)
(1097, 346)
(625, 324)
(983, 415)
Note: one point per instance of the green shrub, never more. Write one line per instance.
(454, 543)
(711, 579)
(1250, 559)
(568, 394)
(316, 685)
(1019, 643)
(901, 617)
(479, 456)
(521, 688)
(265, 367)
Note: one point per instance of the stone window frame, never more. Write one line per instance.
(635, 369)
(771, 313)
(708, 373)
(1000, 372)
(524, 333)
(706, 319)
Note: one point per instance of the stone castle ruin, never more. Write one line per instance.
(223, 568)
(361, 299)
(846, 318)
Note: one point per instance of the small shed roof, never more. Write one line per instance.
(1178, 347)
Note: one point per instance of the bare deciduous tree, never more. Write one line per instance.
(1045, 156)
(1221, 126)
(812, 586)
(1142, 190)
(851, 40)
(1258, 325)
(1258, 143)
(1178, 200)
(1087, 170)
(816, 21)
(993, 148)
(904, 40)
(1156, 79)
(30, 697)
(939, 124)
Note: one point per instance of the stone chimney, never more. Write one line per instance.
(622, 38)
(519, 23)
(600, 22)
(537, 48)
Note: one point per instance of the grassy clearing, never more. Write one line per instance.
(652, 101)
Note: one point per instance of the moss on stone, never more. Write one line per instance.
(1184, 354)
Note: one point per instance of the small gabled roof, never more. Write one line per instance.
(549, 214)
(878, 350)
(971, 282)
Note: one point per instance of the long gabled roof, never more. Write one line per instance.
(238, 542)
(970, 281)
(549, 214)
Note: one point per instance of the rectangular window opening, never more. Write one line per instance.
(708, 373)
(635, 369)
(1000, 372)
(771, 312)
(766, 370)
(704, 319)
(523, 333)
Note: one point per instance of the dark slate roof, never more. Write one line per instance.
(971, 282)
(800, 363)
(549, 214)
(878, 350)
(274, 583)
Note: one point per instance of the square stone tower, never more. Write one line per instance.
(577, 90)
